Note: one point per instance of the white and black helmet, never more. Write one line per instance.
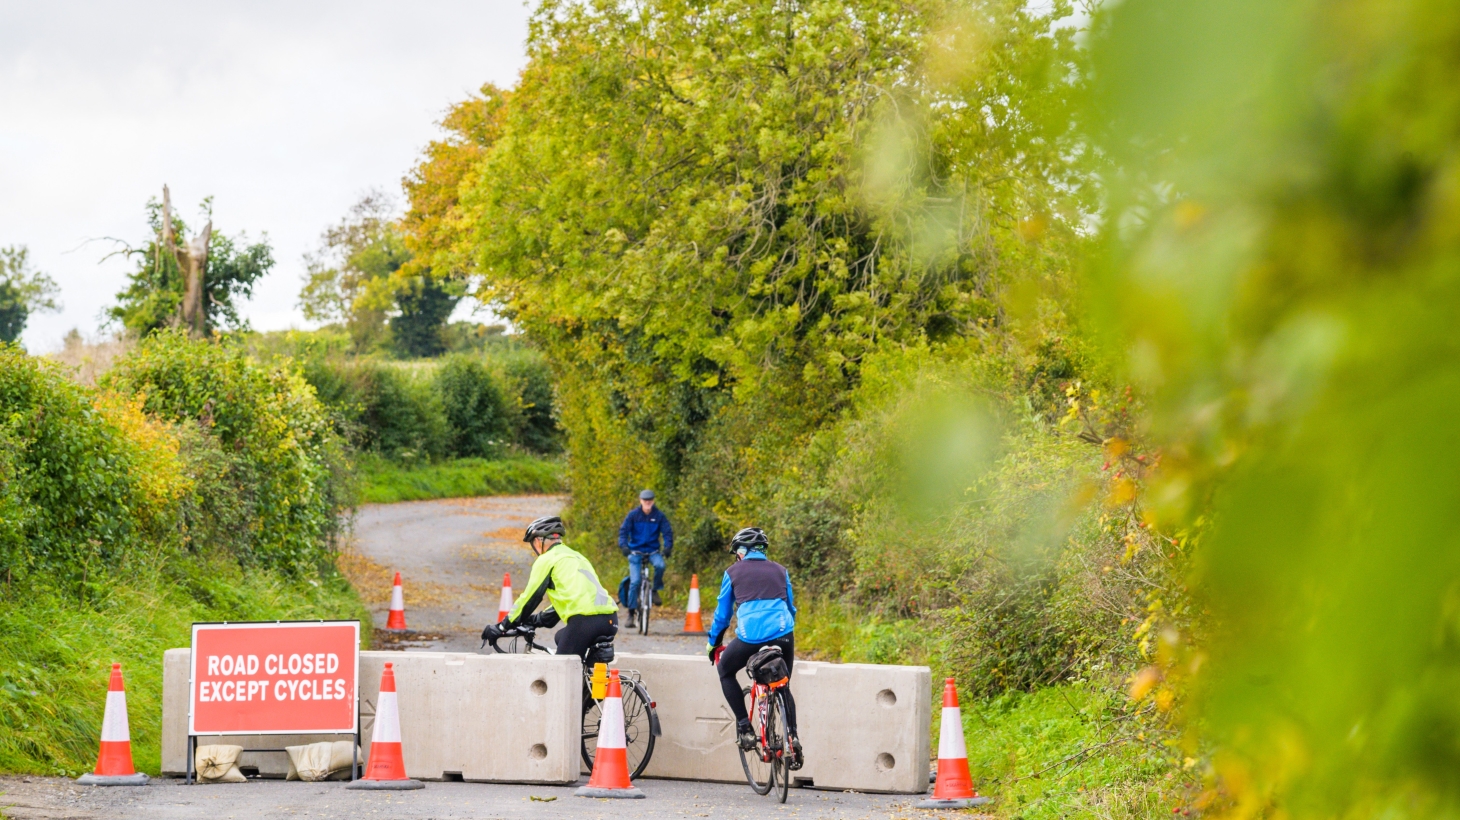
(543, 527)
(750, 538)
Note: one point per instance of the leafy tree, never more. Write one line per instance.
(711, 216)
(361, 276)
(23, 291)
(155, 290)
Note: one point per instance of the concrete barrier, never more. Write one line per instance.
(862, 726)
(488, 718)
(517, 718)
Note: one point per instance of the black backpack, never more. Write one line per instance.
(768, 667)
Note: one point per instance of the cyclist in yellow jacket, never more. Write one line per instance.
(566, 578)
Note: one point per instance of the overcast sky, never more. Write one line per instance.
(285, 113)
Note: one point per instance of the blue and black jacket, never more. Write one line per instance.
(640, 531)
(757, 591)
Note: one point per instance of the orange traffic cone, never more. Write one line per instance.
(954, 788)
(397, 618)
(611, 763)
(114, 763)
(386, 768)
(505, 607)
(692, 623)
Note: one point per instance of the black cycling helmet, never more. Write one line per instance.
(543, 527)
(750, 538)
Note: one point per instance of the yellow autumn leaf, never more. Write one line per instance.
(1143, 682)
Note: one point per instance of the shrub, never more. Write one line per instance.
(74, 493)
(476, 413)
(288, 457)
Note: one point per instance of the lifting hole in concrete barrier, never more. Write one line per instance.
(887, 698)
(539, 687)
(885, 762)
(537, 752)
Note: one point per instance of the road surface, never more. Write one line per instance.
(452, 555)
(33, 798)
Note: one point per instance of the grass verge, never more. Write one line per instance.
(384, 482)
(56, 652)
(1072, 750)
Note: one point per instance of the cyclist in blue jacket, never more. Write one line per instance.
(758, 592)
(638, 538)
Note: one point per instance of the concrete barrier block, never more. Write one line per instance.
(862, 726)
(865, 726)
(489, 718)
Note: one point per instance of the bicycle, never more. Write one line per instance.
(771, 762)
(646, 597)
(641, 721)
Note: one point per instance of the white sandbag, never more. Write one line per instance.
(218, 764)
(321, 761)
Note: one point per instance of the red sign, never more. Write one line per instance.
(275, 678)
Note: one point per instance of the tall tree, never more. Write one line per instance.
(23, 291)
(362, 276)
(198, 284)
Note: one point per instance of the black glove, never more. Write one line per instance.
(624, 550)
(546, 619)
(491, 632)
(668, 553)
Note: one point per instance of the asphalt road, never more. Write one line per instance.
(452, 555)
(52, 798)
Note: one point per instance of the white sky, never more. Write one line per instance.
(284, 112)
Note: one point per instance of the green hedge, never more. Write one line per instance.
(197, 484)
(384, 482)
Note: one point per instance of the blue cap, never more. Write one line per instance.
(647, 495)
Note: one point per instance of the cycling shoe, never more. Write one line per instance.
(746, 735)
(797, 758)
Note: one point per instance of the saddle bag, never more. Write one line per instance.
(768, 667)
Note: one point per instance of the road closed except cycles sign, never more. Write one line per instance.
(275, 678)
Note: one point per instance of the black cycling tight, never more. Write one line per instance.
(737, 653)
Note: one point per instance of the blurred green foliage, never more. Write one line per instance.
(1279, 271)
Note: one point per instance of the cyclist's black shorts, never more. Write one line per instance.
(580, 631)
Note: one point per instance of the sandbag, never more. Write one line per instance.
(321, 761)
(218, 764)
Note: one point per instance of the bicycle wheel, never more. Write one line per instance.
(778, 743)
(638, 730)
(757, 765)
(646, 601)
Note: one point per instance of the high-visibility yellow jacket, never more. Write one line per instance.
(568, 581)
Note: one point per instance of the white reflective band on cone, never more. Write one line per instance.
(950, 735)
(387, 719)
(611, 726)
(694, 599)
(397, 600)
(114, 720)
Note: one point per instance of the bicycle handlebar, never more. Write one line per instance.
(520, 631)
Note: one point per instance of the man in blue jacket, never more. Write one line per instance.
(638, 538)
(757, 591)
